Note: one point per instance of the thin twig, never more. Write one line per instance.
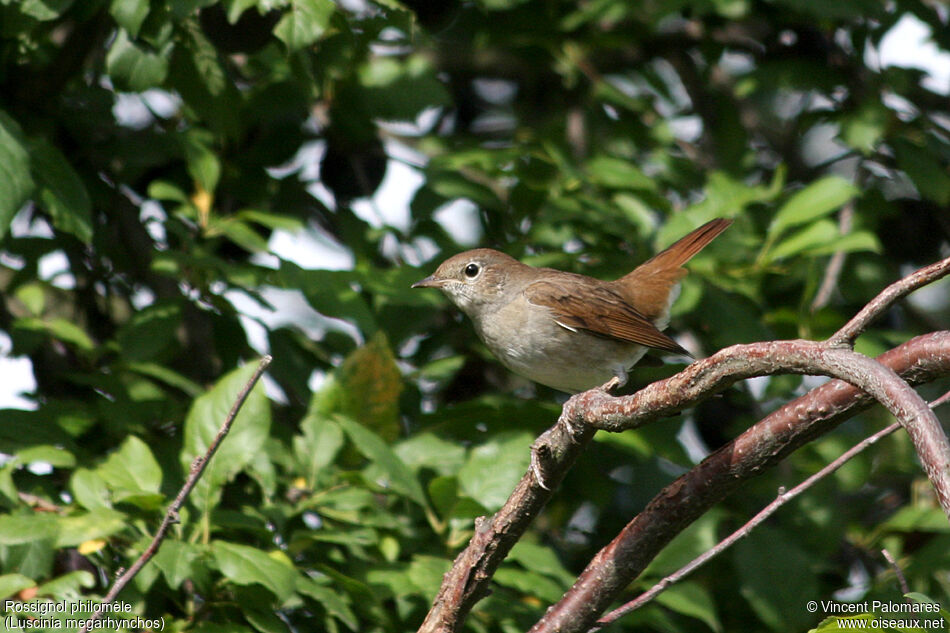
(836, 264)
(171, 515)
(766, 512)
(897, 290)
(783, 498)
(901, 580)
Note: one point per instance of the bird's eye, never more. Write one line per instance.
(471, 271)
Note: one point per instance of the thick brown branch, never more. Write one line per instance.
(760, 447)
(724, 368)
(782, 498)
(467, 582)
(917, 361)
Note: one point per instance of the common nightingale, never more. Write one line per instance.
(568, 331)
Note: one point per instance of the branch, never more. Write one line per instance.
(678, 505)
(763, 445)
(853, 328)
(724, 368)
(836, 264)
(920, 360)
(467, 582)
(171, 515)
(783, 498)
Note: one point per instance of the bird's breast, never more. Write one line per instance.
(527, 339)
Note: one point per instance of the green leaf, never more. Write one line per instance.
(332, 293)
(131, 469)
(452, 185)
(443, 491)
(162, 190)
(61, 191)
(850, 243)
(864, 129)
(14, 583)
(25, 528)
(271, 220)
(725, 197)
(176, 560)
(67, 586)
(304, 23)
(149, 331)
(443, 369)
(79, 528)
(168, 376)
(918, 519)
(371, 383)
(398, 90)
(58, 328)
(427, 450)
(692, 600)
(241, 234)
(814, 201)
(822, 233)
(203, 163)
(318, 446)
(494, 468)
(89, 489)
(129, 14)
(776, 577)
(52, 455)
(132, 67)
(542, 560)
(16, 183)
(44, 10)
(615, 173)
(398, 476)
(529, 583)
(833, 624)
(426, 572)
(335, 603)
(245, 565)
(926, 169)
(33, 296)
(248, 433)
(197, 72)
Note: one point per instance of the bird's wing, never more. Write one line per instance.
(599, 310)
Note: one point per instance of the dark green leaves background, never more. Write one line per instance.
(154, 149)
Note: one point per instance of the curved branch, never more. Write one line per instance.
(917, 361)
(746, 529)
(761, 446)
(853, 328)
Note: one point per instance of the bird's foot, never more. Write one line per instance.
(618, 381)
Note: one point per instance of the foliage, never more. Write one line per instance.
(153, 154)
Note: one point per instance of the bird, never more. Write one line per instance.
(564, 330)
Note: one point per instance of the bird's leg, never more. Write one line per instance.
(618, 381)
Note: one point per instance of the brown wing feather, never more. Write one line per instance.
(599, 310)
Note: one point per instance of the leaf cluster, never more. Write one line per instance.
(156, 156)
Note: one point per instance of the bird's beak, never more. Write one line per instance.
(429, 282)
